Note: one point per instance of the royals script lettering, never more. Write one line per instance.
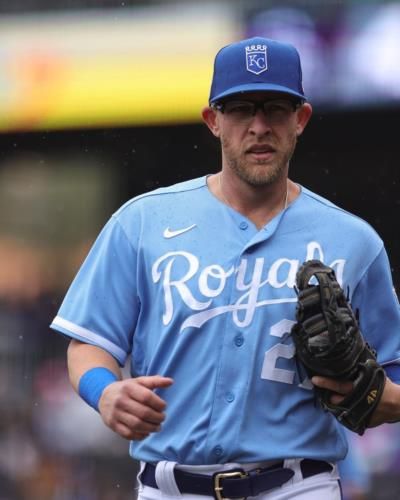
(211, 281)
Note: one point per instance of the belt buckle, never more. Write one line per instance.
(223, 475)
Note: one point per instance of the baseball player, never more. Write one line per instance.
(196, 282)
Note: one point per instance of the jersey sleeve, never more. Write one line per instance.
(101, 306)
(379, 310)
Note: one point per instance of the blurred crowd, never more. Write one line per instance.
(53, 447)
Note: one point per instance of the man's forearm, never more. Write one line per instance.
(388, 409)
(83, 357)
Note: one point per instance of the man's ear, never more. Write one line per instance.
(303, 116)
(211, 120)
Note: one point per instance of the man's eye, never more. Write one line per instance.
(239, 108)
(278, 107)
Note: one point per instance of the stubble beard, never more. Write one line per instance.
(258, 172)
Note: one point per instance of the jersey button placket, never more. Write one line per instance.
(234, 373)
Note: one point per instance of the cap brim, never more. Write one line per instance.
(257, 87)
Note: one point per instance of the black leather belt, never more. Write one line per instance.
(236, 483)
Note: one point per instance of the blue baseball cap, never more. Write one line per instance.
(254, 65)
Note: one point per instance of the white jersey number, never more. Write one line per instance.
(270, 371)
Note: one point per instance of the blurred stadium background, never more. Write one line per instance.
(100, 101)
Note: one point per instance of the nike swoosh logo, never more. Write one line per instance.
(171, 234)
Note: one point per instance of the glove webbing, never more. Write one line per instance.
(322, 333)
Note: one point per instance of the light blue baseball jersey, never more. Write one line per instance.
(193, 290)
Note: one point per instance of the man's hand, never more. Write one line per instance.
(132, 409)
(387, 410)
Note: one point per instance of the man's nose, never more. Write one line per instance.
(260, 123)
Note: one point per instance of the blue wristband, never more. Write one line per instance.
(92, 384)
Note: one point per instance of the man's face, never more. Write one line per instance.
(258, 142)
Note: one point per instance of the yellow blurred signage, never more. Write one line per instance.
(146, 66)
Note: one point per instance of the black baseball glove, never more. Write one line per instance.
(329, 342)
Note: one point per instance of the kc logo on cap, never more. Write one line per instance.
(256, 58)
(256, 64)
